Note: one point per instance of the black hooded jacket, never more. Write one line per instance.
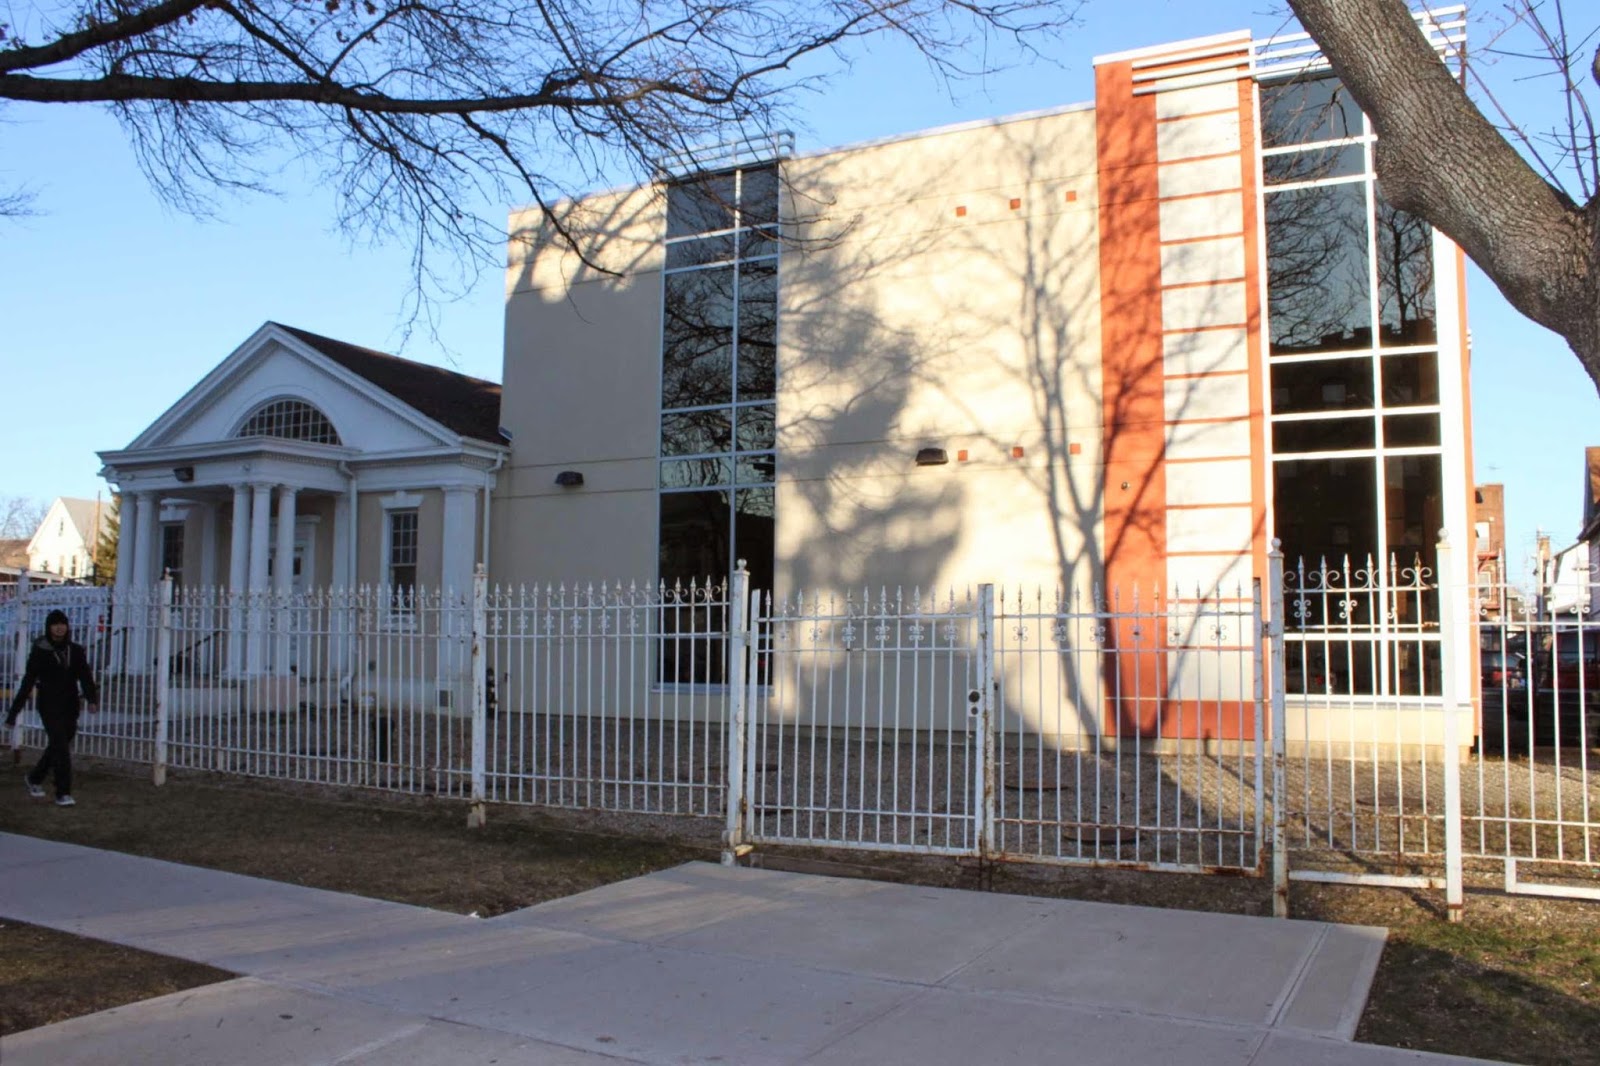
(59, 671)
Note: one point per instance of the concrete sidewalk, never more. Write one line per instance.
(697, 964)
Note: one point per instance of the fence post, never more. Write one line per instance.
(738, 712)
(19, 657)
(158, 765)
(1280, 755)
(480, 696)
(1449, 632)
(983, 707)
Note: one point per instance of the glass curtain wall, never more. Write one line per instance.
(1355, 413)
(718, 388)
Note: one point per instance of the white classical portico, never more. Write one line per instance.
(279, 461)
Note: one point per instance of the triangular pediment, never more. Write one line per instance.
(274, 364)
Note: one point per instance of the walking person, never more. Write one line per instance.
(59, 669)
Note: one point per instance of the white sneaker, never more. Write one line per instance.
(36, 791)
(66, 801)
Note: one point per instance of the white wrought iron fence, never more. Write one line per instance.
(609, 697)
(1131, 731)
(1032, 726)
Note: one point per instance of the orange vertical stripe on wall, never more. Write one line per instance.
(1132, 376)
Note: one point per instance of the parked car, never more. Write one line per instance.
(1575, 663)
(1503, 669)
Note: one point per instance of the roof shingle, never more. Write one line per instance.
(468, 405)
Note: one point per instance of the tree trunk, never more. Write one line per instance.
(1440, 159)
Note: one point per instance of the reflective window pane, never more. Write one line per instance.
(1318, 288)
(758, 243)
(758, 197)
(696, 541)
(700, 205)
(758, 331)
(697, 355)
(757, 469)
(697, 252)
(1322, 385)
(696, 473)
(1323, 435)
(1305, 109)
(1410, 380)
(1414, 507)
(1410, 431)
(1327, 510)
(696, 432)
(754, 527)
(1405, 277)
(1314, 164)
(754, 428)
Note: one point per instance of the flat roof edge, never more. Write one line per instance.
(1172, 47)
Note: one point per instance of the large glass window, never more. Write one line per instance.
(718, 400)
(719, 377)
(1354, 371)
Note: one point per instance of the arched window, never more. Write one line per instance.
(290, 420)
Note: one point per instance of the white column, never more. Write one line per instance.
(456, 551)
(147, 547)
(238, 577)
(146, 558)
(260, 519)
(342, 583)
(208, 649)
(127, 549)
(340, 576)
(283, 578)
(460, 540)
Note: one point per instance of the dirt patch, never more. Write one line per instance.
(1518, 980)
(48, 977)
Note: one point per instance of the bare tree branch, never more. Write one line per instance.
(427, 116)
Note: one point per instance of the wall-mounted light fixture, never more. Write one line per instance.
(932, 457)
(569, 479)
(184, 474)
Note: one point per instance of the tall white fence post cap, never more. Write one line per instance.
(740, 568)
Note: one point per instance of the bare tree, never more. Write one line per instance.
(416, 111)
(20, 516)
(1440, 158)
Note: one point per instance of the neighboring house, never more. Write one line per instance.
(361, 467)
(62, 548)
(1571, 576)
(13, 560)
(1489, 537)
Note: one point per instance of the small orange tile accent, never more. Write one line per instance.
(1016, 452)
(961, 456)
(1074, 449)
(1072, 196)
(1015, 203)
(961, 212)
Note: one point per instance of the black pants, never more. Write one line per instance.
(59, 731)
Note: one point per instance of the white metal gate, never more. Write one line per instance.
(1060, 730)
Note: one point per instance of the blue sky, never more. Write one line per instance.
(111, 305)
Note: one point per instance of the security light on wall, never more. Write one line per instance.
(569, 479)
(932, 457)
(184, 474)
